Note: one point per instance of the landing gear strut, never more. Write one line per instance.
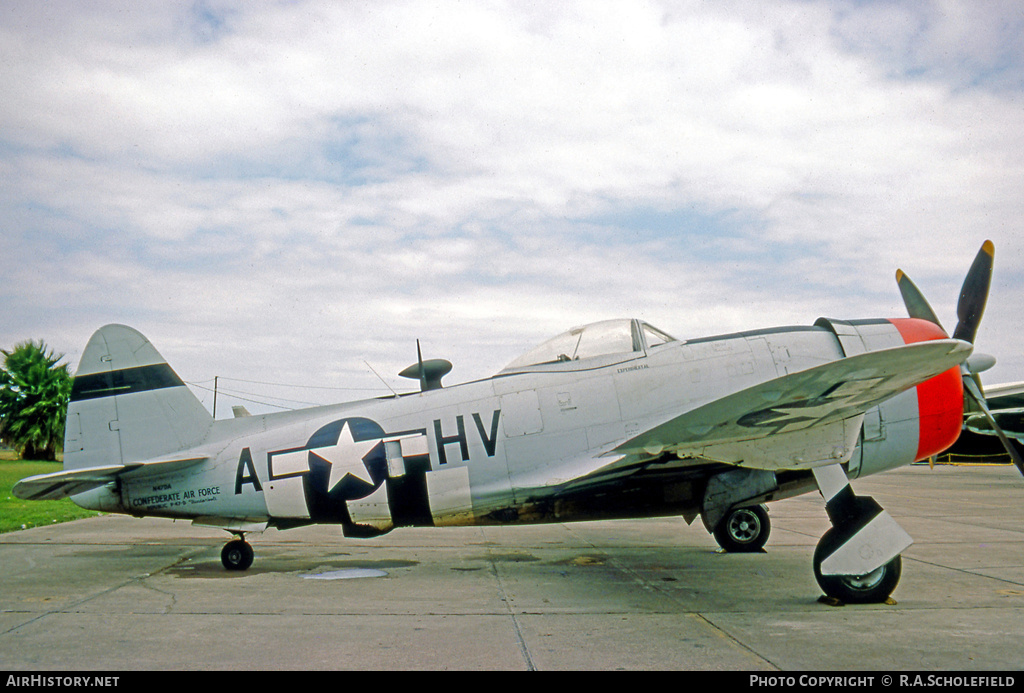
(858, 560)
(237, 554)
(743, 530)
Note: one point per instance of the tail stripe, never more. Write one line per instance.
(123, 382)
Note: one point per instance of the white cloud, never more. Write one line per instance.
(296, 187)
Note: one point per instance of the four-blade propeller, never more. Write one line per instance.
(971, 306)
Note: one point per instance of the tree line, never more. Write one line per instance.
(34, 393)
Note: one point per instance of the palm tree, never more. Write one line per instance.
(34, 394)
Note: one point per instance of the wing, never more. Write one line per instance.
(800, 420)
(63, 484)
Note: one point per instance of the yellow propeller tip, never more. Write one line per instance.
(989, 248)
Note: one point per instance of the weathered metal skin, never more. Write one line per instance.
(609, 420)
(511, 449)
(642, 425)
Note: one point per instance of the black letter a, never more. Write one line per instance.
(246, 466)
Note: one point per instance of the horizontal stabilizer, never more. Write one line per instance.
(59, 485)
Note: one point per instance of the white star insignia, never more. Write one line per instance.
(346, 457)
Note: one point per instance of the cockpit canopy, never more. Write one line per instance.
(624, 337)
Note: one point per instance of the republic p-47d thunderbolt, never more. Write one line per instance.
(615, 419)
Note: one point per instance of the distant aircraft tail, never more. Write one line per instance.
(128, 405)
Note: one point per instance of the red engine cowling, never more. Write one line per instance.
(915, 424)
(940, 401)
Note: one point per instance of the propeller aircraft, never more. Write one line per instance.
(615, 419)
(1006, 407)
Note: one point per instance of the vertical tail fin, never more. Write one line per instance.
(128, 405)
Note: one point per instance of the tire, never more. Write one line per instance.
(870, 588)
(744, 530)
(237, 555)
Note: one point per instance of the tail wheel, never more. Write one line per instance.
(744, 530)
(237, 555)
(870, 588)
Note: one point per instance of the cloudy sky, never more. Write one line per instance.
(293, 192)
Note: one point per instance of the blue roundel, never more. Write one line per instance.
(362, 430)
(347, 461)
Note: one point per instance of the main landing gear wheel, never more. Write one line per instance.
(744, 530)
(237, 555)
(870, 588)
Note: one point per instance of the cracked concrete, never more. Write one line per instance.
(118, 593)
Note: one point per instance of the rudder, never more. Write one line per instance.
(127, 404)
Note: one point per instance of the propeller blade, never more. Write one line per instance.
(914, 300)
(974, 294)
(972, 388)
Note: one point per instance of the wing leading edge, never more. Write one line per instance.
(801, 420)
